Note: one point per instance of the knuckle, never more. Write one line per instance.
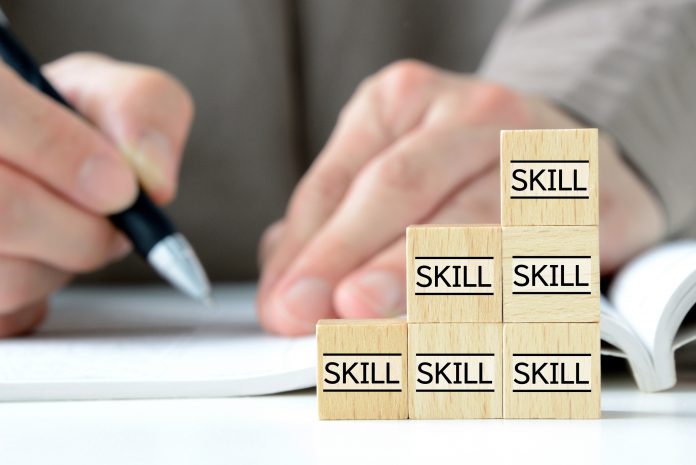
(159, 84)
(153, 78)
(366, 85)
(364, 94)
(326, 186)
(404, 77)
(393, 97)
(399, 173)
(151, 97)
(477, 208)
(492, 95)
(346, 111)
(82, 56)
(492, 99)
(75, 62)
(401, 94)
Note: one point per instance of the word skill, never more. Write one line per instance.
(502, 320)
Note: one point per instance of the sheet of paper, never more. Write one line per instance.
(151, 342)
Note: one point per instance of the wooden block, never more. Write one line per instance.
(549, 177)
(455, 370)
(362, 369)
(453, 274)
(551, 370)
(551, 274)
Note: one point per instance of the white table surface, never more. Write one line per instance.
(636, 428)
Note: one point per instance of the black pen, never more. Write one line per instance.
(152, 234)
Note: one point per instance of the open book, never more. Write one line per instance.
(646, 315)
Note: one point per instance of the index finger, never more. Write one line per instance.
(51, 144)
(383, 108)
(146, 112)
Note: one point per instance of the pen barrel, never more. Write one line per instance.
(144, 224)
(17, 58)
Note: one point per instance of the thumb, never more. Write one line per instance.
(145, 112)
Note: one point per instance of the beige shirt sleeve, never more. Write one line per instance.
(626, 66)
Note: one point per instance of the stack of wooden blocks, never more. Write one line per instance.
(503, 320)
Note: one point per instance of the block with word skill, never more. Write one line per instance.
(453, 274)
(551, 274)
(361, 368)
(455, 370)
(549, 177)
(551, 370)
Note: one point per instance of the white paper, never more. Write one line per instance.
(151, 342)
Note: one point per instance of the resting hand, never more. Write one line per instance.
(414, 145)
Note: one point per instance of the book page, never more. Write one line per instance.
(619, 340)
(650, 288)
(152, 342)
(687, 330)
(654, 294)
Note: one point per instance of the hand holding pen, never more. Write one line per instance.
(62, 175)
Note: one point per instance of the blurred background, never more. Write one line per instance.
(268, 78)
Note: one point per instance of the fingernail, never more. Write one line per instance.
(307, 300)
(380, 292)
(107, 183)
(152, 159)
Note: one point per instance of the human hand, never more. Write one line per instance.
(414, 145)
(60, 175)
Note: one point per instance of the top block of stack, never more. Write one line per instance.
(549, 177)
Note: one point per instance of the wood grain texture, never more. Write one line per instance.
(571, 156)
(455, 370)
(377, 385)
(563, 250)
(576, 387)
(471, 288)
